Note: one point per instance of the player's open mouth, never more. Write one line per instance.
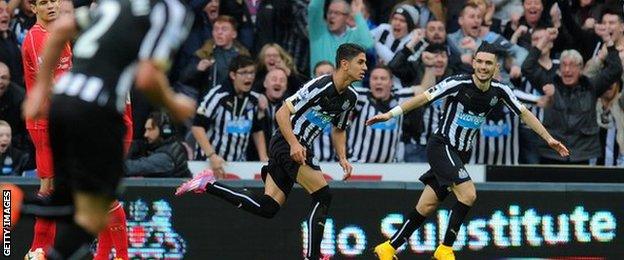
(3, 146)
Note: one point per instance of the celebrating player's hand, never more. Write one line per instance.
(182, 107)
(298, 153)
(378, 118)
(559, 147)
(34, 106)
(217, 163)
(347, 168)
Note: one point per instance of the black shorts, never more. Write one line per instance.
(87, 147)
(447, 166)
(282, 168)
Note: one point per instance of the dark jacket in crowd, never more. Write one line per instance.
(215, 74)
(587, 42)
(572, 116)
(11, 111)
(167, 158)
(200, 32)
(271, 21)
(13, 162)
(11, 55)
(407, 66)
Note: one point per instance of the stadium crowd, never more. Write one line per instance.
(242, 58)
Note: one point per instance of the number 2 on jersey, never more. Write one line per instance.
(87, 44)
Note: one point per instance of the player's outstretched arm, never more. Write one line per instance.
(152, 81)
(61, 31)
(535, 124)
(339, 139)
(413, 103)
(282, 116)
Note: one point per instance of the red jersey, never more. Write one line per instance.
(32, 52)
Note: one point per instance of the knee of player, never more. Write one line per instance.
(322, 196)
(426, 209)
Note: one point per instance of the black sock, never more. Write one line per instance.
(261, 205)
(78, 247)
(458, 213)
(321, 199)
(412, 223)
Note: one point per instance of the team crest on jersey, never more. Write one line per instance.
(494, 101)
(463, 174)
(346, 105)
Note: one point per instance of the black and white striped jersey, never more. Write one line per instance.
(611, 148)
(114, 37)
(467, 106)
(318, 104)
(498, 140)
(229, 121)
(323, 147)
(377, 143)
(430, 118)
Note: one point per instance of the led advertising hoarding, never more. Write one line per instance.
(503, 224)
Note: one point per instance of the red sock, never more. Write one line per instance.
(114, 236)
(45, 232)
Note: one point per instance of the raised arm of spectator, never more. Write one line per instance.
(518, 54)
(401, 66)
(154, 165)
(533, 71)
(382, 50)
(316, 21)
(584, 39)
(12, 5)
(362, 35)
(610, 73)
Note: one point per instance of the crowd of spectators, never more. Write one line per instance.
(563, 58)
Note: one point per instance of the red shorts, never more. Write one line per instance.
(43, 153)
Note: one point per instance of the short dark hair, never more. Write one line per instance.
(321, 63)
(163, 122)
(490, 48)
(468, 5)
(383, 67)
(436, 48)
(348, 51)
(613, 9)
(227, 19)
(239, 62)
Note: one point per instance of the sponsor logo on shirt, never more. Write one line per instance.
(467, 120)
(240, 126)
(318, 118)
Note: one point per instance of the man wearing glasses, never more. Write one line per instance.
(331, 30)
(227, 117)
